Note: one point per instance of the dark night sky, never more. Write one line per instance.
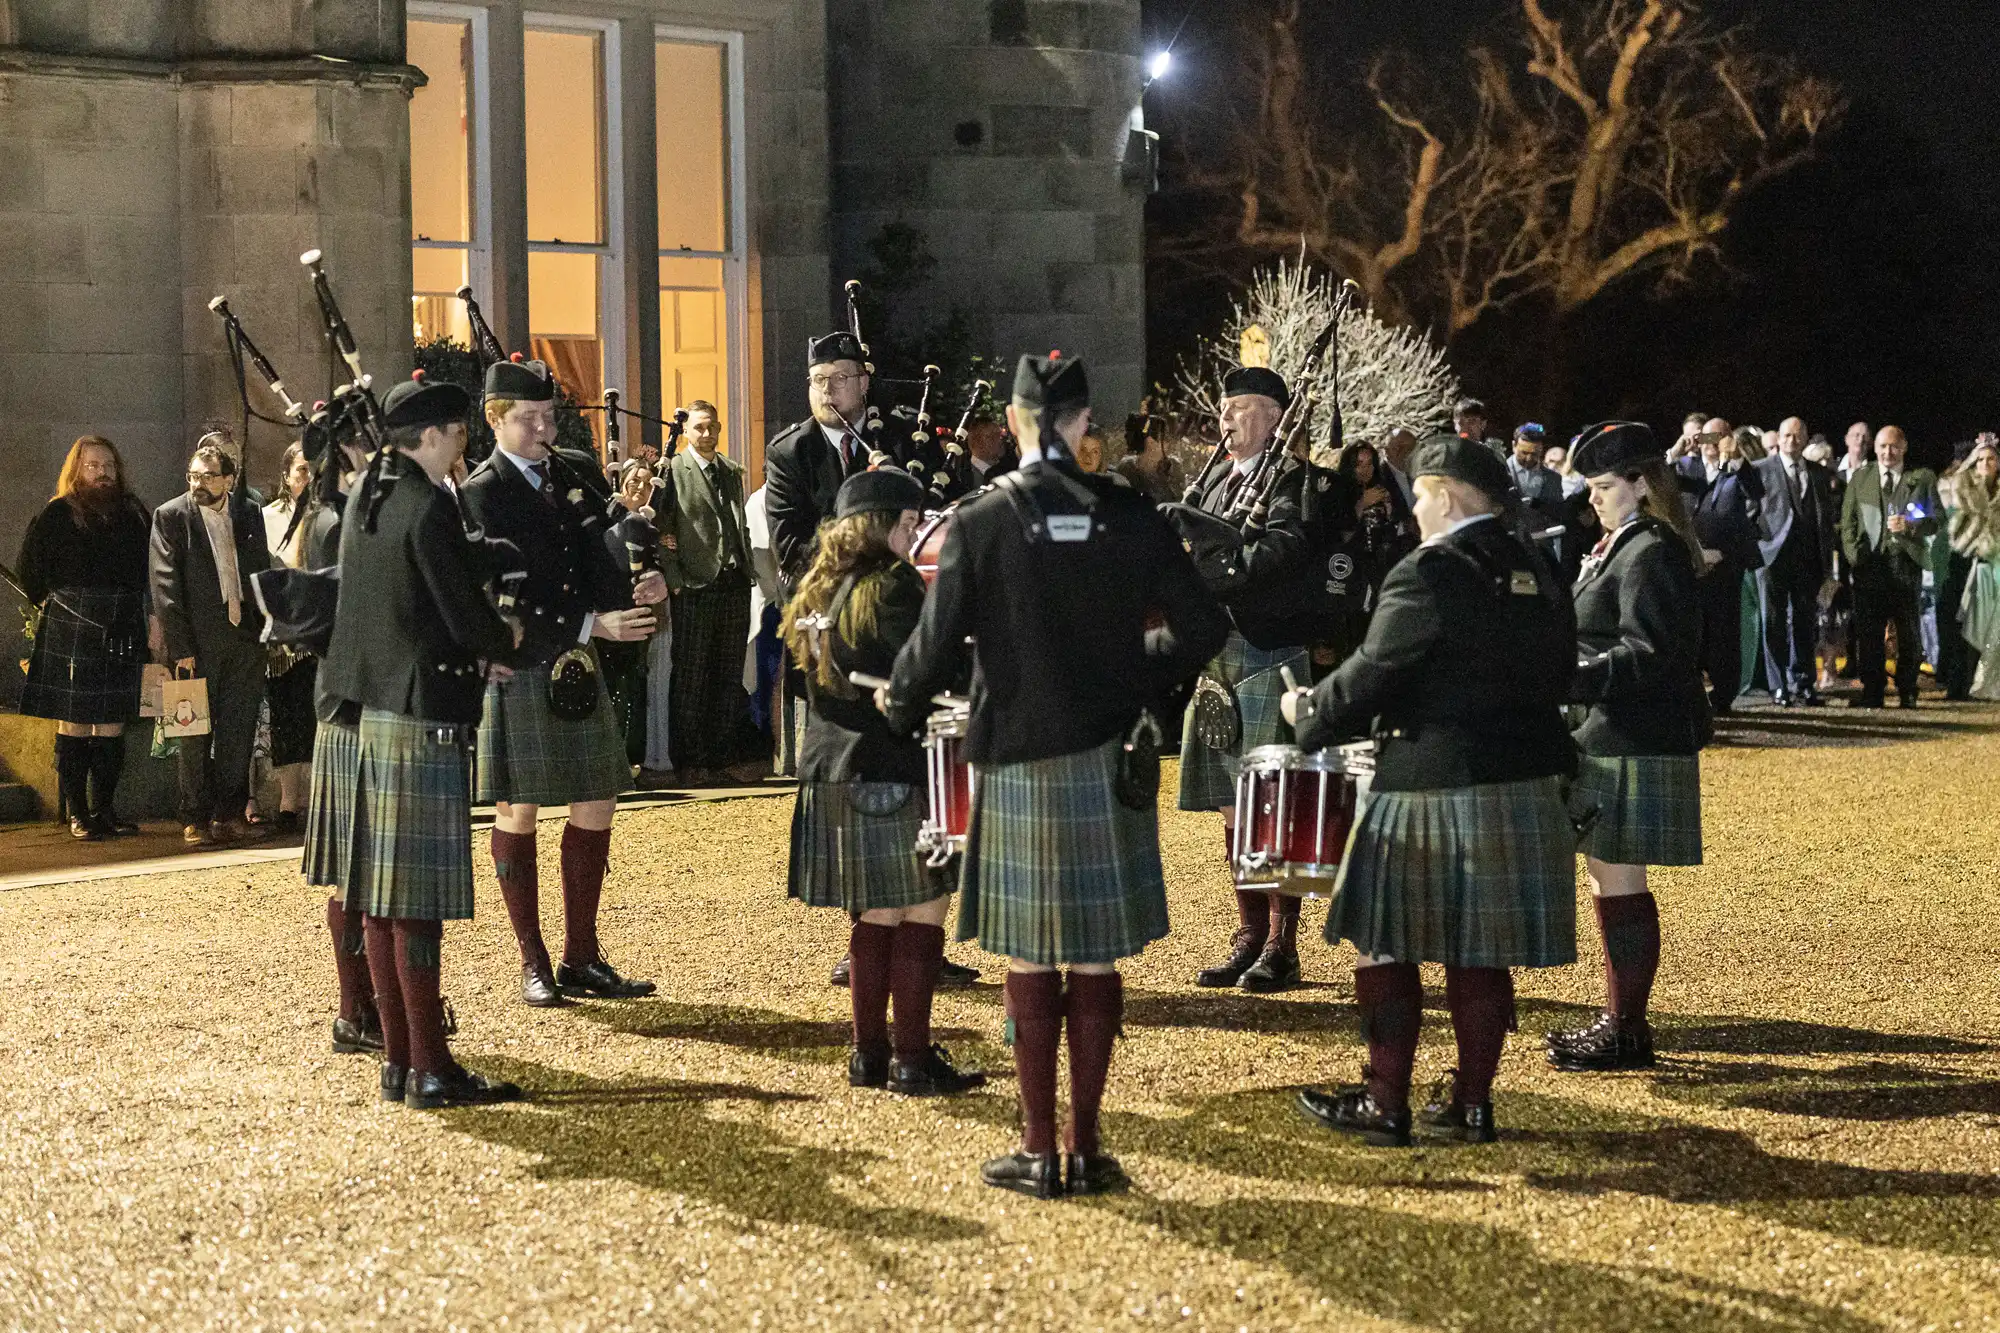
(1865, 284)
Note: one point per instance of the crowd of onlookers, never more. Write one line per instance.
(1823, 564)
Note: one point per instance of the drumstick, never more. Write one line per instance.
(866, 681)
(1291, 681)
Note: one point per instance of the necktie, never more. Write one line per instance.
(544, 487)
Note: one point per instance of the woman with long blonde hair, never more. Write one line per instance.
(1638, 621)
(83, 565)
(854, 830)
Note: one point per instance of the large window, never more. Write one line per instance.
(569, 213)
(442, 179)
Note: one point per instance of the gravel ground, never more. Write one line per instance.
(178, 1149)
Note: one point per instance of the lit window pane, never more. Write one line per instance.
(565, 101)
(436, 310)
(562, 311)
(693, 145)
(694, 337)
(441, 132)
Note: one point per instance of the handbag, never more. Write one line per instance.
(184, 706)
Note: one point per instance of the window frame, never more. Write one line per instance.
(479, 249)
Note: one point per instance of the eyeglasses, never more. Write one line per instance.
(205, 476)
(826, 382)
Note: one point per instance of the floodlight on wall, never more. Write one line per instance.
(1158, 66)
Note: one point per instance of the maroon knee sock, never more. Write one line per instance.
(416, 951)
(1390, 997)
(1035, 1009)
(520, 888)
(869, 948)
(1093, 1010)
(914, 959)
(381, 956)
(1283, 912)
(1481, 1000)
(585, 853)
(350, 969)
(1253, 913)
(1630, 925)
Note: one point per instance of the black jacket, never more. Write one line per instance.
(571, 574)
(847, 737)
(1065, 658)
(802, 472)
(413, 622)
(1725, 511)
(1638, 629)
(1268, 586)
(1463, 674)
(187, 593)
(1800, 532)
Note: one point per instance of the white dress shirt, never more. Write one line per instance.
(222, 543)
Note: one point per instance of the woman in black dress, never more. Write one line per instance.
(292, 671)
(83, 565)
(860, 804)
(1639, 674)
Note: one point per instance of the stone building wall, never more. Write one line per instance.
(999, 128)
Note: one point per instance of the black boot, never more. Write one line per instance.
(933, 1075)
(1355, 1111)
(1245, 947)
(395, 1078)
(868, 1066)
(361, 1033)
(1606, 1045)
(840, 971)
(1093, 1173)
(1447, 1116)
(1277, 968)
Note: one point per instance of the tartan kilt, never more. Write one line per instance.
(1056, 869)
(1648, 808)
(529, 755)
(84, 672)
(410, 855)
(1481, 876)
(336, 773)
(1208, 775)
(845, 857)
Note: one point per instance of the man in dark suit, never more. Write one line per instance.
(1540, 488)
(707, 567)
(1798, 545)
(805, 464)
(206, 545)
(1886, 520)
(1724, 496)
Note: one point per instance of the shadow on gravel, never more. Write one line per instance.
(1441, 1274)
(759, 1031)
(1838, 727)
(1320, 1009)
(1575, 1148)
(1876, 1091)
(713, 1142)
(1728, 1034)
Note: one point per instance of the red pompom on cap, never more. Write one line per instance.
(1055, 354)
(418, 374)
(517, 358)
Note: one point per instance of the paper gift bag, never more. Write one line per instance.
(152, 677)
(184, 707)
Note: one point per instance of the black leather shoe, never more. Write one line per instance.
(601, 979)
(1811, 698)
(840, 970)
(934, 1075)
(395, 1078)
(867, 1067)
(539, 990)
(1245, 946)
(85, 830)
(953, 974)
(1906, 701)
(114, 827)
(1355, 1111)
(1275, 970)
(1781, 699)
(460, 1087)
(353, 1036)
(1606, 1045)
(1865, 701)
(1446, 1117)
(1093, 1173)
(1038, 1174)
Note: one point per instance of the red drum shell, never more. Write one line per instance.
(1294, 812)
(949, 781)
(929, 544)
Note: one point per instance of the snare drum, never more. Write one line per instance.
(949, 777)
(1293, 814)
(928, 545)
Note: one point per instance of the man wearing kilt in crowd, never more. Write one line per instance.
(1268, 589)
(83, 565)
(548, 734)
(1639, 630)
(860, 807)
(1054, 575)
(1463, 852)
(411, 635)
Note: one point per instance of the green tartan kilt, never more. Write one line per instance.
(528, 755)
(1648, 808)
(336, 772)
(411, 850)
(1208, 775)
(1056, 869)
(854, 846)
(1479, 876)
